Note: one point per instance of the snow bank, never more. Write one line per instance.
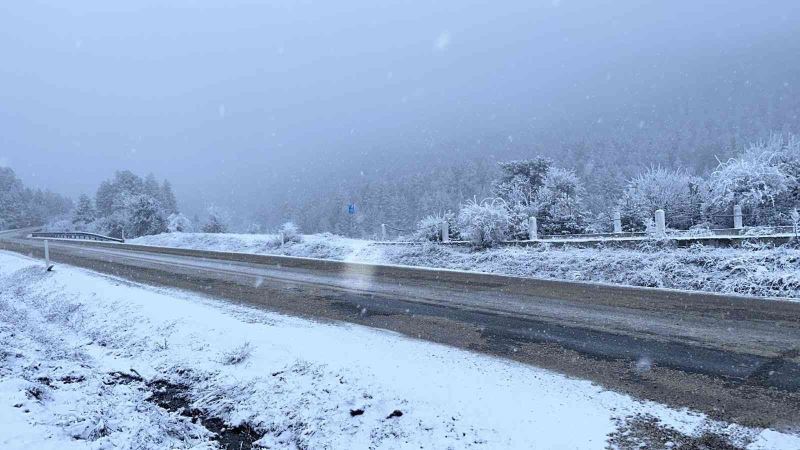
(760, 270)
(756, 270)
(323, 245)
(80, 353)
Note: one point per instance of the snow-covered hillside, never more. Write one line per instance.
(90, 362)
(760, 270)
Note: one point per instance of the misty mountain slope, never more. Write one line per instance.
(340, 97)
(759, 270)
(95, 362)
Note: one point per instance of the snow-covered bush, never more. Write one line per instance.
(674, 191)
(114, 225)
(290, 232)
(236, 355)
(763, 181)
(430, 227)
(485, 223)
(179, 223)
(254, 228)
(217, 221)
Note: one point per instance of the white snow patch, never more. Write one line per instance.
(298, 381)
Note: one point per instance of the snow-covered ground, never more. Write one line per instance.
(89, 361)
(323, 245)
(760, 270)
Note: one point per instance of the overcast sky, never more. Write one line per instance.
(240, 96)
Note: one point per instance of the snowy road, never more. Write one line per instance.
(734, 357)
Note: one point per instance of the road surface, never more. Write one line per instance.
(736, 358)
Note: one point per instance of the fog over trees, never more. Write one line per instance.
(276, 111)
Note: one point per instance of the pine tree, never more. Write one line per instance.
(145, 216)
(216, 222)
(151, 187)
(167, 198)
(84, 213)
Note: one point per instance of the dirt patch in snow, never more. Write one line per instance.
(645, 431)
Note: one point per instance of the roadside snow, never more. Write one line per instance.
(75, 344)
(323, 245)
(760, 270)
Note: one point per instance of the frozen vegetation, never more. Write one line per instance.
(323, 245)
(757, 269)
(95, 362)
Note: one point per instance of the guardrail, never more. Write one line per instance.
(75, 235)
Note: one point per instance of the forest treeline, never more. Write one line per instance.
(21, 206)
(565, 197)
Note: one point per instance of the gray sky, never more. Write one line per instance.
(234, 99)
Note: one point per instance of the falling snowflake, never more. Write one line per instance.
(442, 41)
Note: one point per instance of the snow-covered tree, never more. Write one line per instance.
(519, 181)
(674, 191)
(485, 223)
(559, 203)
(151, 186)
(762, 180)
(145, 216)
(12, 199)
(22, 207)
(167, 198)
(179, 223)
(217, 221)
(84, 212)
(115, 194)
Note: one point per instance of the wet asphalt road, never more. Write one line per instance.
(735, 358)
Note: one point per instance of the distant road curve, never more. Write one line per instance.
(734, 357)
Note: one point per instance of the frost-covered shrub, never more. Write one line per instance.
(113, 225)
(254, 228)
(217, 221)
(485, 223)
(430, 228)
(290, 232)
(236, 355)
(179, 223)
(763, 181)
(675, 191)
